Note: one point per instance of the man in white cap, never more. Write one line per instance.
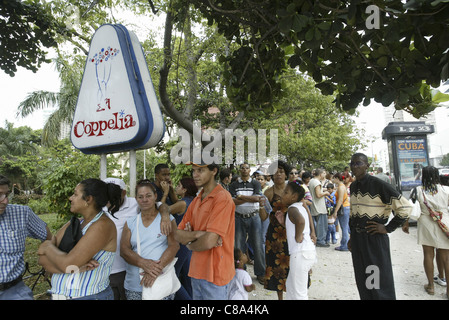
(128, 208)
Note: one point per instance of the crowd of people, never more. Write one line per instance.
(207, 228)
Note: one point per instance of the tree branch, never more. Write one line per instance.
(163, 81)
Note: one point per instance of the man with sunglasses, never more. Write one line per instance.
(16, 224)
(372, 201)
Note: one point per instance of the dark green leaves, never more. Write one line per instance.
(25, 28)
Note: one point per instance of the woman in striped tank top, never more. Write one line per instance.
(83, 272)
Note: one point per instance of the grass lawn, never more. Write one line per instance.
(54, 223)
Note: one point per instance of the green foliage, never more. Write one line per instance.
(26, 27)
(333, 43)
(54, 223)
(19, 153)
(445, 160)
(312, 132)
(64, 168)
(40, 206)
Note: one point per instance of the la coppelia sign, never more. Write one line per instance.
(117, 108)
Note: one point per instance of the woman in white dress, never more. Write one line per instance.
(433, 199)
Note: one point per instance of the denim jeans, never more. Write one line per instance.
(331, 230)
(18, 292)
(251, 227)
(321, 228)
(344, 224)
(182, 271)
(205, 290)
(106, 294)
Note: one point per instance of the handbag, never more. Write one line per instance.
(71, 235)
(414, 203)
(416, 210)
(340, 211)
(165, 284)
(437, 216)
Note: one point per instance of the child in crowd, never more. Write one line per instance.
(242, 283)
(331, 201)
(331, 230)
(300, 245)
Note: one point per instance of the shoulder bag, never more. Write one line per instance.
(166, 283)
(71, 235)
(416, 208)
(340, 211)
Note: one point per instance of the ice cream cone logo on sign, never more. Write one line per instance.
(103, 69)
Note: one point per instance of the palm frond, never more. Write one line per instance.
(37, 100)
(52, 128)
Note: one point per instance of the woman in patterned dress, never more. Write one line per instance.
(276, 249)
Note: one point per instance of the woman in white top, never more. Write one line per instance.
(157, 249)
(300, 245)
(431, 235)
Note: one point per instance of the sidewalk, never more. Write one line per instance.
(333, 275)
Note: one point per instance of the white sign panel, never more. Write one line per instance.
(117, 107)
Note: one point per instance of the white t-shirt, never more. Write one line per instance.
(128, 209)
(237, 285)
(307, 243)
(318, 204)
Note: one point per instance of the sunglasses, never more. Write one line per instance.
(294, 172)
(356, 163)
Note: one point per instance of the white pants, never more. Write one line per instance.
(296, 284)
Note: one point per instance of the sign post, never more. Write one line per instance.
(117, 108)
(408, 152)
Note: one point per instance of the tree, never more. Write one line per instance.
(19, 153)
(337, 44)
(191, 76)
(64, 100)
(62, 169)
(206, 71)
(312, 131)
(445, 160)
(26, 28)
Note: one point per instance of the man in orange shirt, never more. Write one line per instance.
(208, 229)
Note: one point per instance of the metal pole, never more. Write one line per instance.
(103, 166)
(144, 164)
(132, 173)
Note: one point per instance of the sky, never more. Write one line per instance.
(15, 89)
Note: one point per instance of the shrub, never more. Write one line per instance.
(39, 206)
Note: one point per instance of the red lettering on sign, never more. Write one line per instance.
(98, 128)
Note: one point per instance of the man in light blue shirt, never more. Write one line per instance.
(16, 224)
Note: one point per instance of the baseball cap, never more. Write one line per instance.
(202, 164)
(198, 164)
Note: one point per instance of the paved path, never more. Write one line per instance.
(333, 275)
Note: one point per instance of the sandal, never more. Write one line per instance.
(429, 290)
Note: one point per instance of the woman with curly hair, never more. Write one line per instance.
(433, 224)
(276, 249)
